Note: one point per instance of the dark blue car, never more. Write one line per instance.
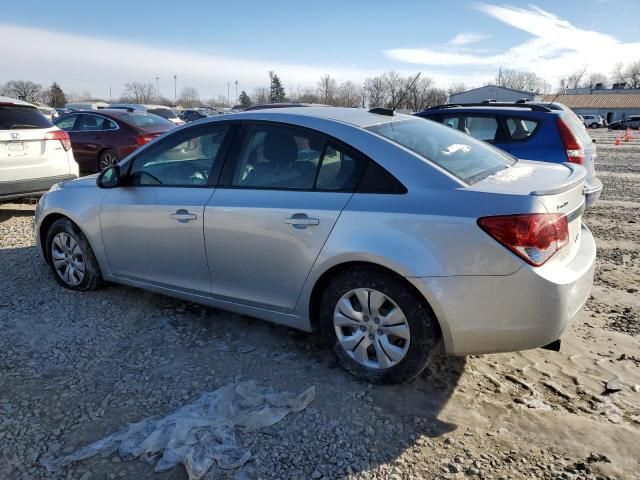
(528, 131)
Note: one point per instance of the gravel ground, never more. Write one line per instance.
(75, 368)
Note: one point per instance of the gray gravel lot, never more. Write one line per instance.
(75, 367)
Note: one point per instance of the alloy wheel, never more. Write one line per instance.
(68, 260)
(371, 328)
(107, 160)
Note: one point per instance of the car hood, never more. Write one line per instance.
(84, 182)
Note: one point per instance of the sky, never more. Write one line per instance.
(100, 46)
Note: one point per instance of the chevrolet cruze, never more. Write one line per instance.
(386, 233)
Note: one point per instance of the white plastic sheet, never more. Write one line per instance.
(199, 434)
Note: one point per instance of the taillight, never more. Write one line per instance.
(59, 135)
(572, 145)
(535, 237)
(142, 139)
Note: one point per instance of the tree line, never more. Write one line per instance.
(385, 90)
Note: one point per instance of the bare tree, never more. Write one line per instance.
(327, 90)
(261, 95)
(189, 97)
(376, 91)
(517, 80)
(422, 94)
(575, 80)
(138, 92)
(308, 95)
(594, 78)
(393, 83)
(456, 88)
(348, 94)
(632, 74)
(23, 90)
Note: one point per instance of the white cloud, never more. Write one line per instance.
(556, 49)
(466, 38)
(82, 63)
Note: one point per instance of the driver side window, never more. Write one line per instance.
(183, 160)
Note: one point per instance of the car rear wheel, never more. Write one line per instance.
(70, 256)
(107, 159)
(380, 330)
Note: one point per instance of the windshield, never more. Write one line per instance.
(163, 112)
(465, 157)
(146, 120)
(18, 116)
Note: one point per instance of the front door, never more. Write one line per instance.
(152, 227)
(281, 194)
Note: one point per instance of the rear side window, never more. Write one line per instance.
(146, 120)
(521, 128)
(163, 112)
(481, 127)
(17, 117)
(339, 170)
(464, 157)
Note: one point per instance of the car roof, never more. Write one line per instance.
(359, 117)
(15, 101)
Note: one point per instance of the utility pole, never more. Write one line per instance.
(110, 101)
(175, 89)
(236, 101)
(158, 86)
(228, 97)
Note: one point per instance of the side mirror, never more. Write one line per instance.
(109, 177)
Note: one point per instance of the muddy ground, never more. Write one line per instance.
(77, 367)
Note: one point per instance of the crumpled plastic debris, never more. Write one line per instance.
(199, 434)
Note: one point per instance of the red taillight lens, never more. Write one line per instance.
(142, 139)
(534, 237)
(573, 146)
(59, 135)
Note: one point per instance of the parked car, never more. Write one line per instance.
(593, 121)
(85, 105)
(34, 155)
(387, 233)
(527, 131)
(160, 110)
(632, 122)
(48, 112)
(193, 115)
(101, 138)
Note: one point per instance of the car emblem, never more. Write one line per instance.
(14, 135)
(562, 205)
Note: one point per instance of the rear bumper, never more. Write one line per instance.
(527, 309)
(31, 187)
(593, 192)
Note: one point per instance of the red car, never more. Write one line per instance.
(102, 138)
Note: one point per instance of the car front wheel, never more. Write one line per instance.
(70, 256)
(379, 328)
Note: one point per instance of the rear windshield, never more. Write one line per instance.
(465, 157)
(163, 112)
(19, 117)
(145, 120)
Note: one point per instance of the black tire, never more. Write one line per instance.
(423, 326)
(593, 125)
(92, 277)
(107, 158)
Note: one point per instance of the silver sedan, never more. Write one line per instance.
(386, 233)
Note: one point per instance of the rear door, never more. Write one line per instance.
(86, 140)
(282, 190)
(24, 152)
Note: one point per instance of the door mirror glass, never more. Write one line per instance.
(109, 178)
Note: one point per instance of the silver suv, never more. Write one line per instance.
(593, 121)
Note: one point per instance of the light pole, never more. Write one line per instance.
(175, 89)
(236, 101)
(228, 95)
(158, 86)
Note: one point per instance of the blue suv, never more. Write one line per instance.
(546, 132)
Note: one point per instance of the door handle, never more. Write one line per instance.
(301, 220)
(183, 216)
